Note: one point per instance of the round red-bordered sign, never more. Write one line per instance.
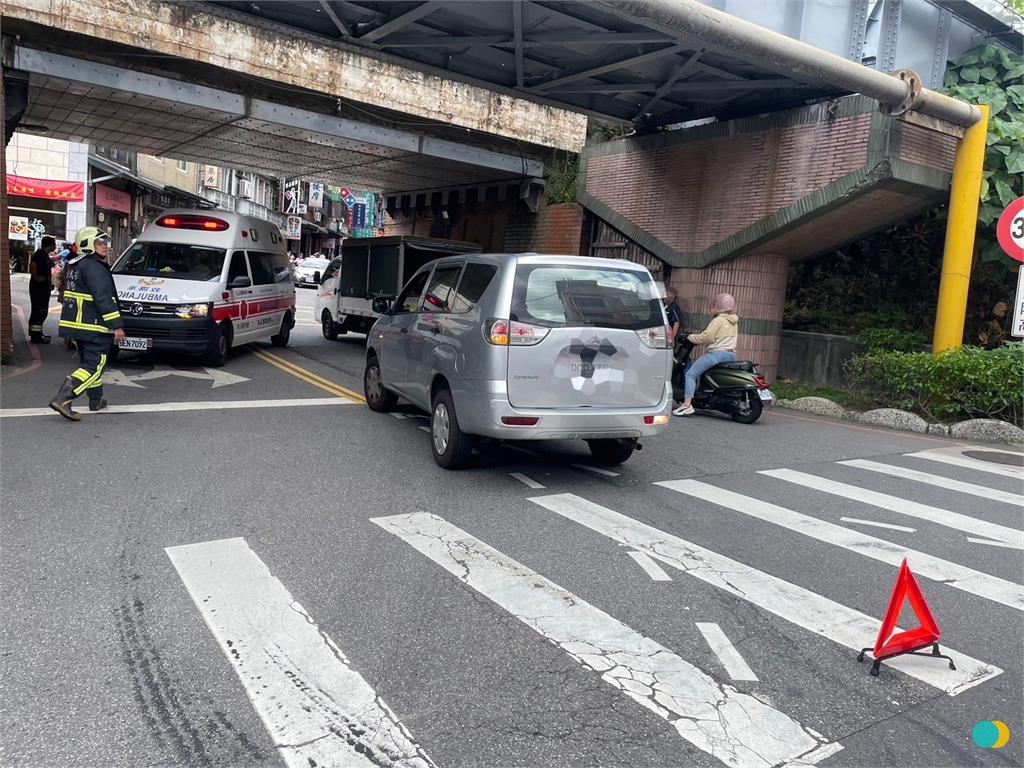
(1010, 230)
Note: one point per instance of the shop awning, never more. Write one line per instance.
(120, 171)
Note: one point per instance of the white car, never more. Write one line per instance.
(308, 271)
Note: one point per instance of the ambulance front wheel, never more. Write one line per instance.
(218, 354)
(282, 337)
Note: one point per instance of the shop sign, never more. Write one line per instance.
(46, 189)
(301, 209)
(333, 194)
(359, 215)
(211, 177)
(347, 197)
(294, 228)
(316, 194)
(17, 228)
(111, 199)
(290, 196)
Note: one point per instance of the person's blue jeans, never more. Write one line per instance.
(704, 362)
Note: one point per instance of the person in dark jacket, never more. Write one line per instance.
(40, 271)
(90, 316)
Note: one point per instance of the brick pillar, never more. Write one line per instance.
(759, 285)
(6, 321)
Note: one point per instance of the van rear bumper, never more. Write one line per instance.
(174, 334)
(480, 406)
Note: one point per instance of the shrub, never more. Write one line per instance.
(967, 383)
(889, 340)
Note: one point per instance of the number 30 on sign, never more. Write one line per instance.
(1010, 230)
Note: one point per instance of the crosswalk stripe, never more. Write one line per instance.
(651, 568)
(965, 461)
(876, 524)
(802, 607)
(527, 481)
(994, 543)
(737, 728)
(952, 574)
(944, 517)
(726, 652)
(939, 481)
(317, 709)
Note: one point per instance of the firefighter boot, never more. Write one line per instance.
(61, 402)
(97, 405)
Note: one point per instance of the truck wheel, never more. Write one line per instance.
(450, 445)
(218, 355)
(281, 339)
(378, 398)
(611, 451)
(327, 325)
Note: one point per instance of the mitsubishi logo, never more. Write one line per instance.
(136, 309)
(588, 353)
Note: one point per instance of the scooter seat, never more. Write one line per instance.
(738, 365)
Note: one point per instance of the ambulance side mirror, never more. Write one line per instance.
(240, 282)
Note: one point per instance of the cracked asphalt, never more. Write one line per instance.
(105, 659)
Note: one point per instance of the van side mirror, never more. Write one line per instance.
(240, 282)
(381, 305)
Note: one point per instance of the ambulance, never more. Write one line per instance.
(201, 282)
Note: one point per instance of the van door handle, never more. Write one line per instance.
(436, 329)
(405, 330)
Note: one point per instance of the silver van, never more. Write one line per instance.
(525, 347)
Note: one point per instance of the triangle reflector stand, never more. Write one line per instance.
(910, 641)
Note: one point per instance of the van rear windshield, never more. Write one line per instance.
(564, 296)
(181, 262)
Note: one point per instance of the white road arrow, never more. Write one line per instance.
(218, 377)
(655, 571)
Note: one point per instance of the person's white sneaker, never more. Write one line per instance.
(684, 410)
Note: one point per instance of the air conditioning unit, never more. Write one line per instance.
(245, 188)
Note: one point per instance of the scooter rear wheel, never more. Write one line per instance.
(748, 409)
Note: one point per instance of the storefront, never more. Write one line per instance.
(38, 207)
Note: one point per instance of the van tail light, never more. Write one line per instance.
(655, 338)
(503, 333)
(760, 381)
(191, 221)
(657, 420)
(520, 421)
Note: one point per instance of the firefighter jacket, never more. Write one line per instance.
(89, 305)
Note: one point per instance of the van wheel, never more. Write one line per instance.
(327, 325)
(450, 445)
(281, 339)
(217, 356)
(612, 451)
(378, 397)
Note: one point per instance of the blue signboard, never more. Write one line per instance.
(359, 215)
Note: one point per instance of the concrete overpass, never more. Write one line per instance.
(421, 99)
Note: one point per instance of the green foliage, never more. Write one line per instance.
(967, 383)
(563, 179)
(990, 75)
(789, 390)
(890, 340)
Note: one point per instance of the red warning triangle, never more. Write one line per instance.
(927, 633)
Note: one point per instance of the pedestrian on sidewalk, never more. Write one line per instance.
(90, 316)
(40, 275)
(720, 337)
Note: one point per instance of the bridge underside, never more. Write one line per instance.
(109, 106)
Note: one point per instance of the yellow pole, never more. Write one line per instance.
(958, 253)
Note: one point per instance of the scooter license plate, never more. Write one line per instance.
(134, 342)
(765, 394)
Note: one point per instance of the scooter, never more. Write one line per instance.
(736, 388)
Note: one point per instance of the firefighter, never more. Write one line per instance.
(89, 315)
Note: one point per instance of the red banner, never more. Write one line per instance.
(48, 189)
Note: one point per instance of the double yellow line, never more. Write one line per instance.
(308, 376)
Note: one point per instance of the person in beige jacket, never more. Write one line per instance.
(720, 338)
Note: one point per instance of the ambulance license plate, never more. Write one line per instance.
(134, 342)
(765, 394)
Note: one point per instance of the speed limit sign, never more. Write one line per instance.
(1010, 230)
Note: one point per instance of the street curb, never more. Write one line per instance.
(982, 430)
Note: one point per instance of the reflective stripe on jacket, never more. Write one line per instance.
(89, 304)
